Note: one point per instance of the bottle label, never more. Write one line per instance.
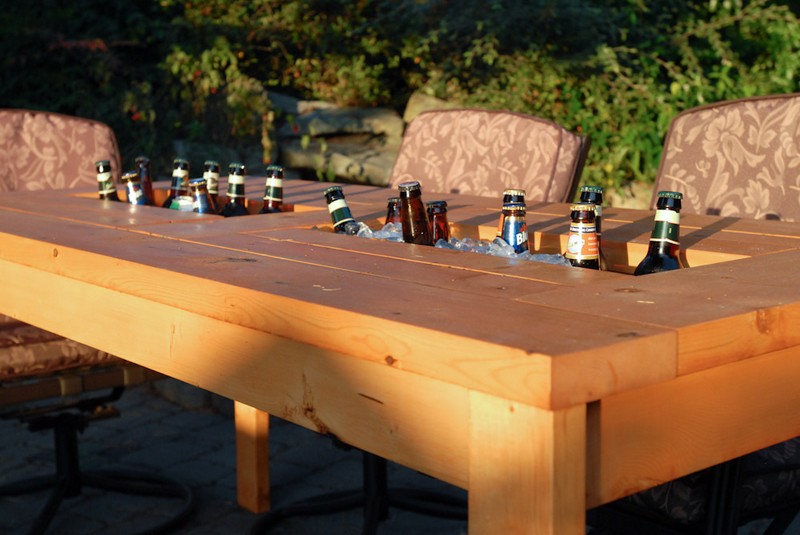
(515, 233)
(235, 186)
(274, 189)
(340, 212)
(135, 194)
(103, 177)
(582, 242)
(212, 181)
(666, 227)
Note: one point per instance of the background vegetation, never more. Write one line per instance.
(200, 70)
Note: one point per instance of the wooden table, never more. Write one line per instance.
(543, 390)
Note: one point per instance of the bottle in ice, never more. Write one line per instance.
(594, 195)
(236, 205)
(582, 249)
(106, 189)
(180, 181)
(413, 217)
(273, 190)
(663, 253)
(342, 218)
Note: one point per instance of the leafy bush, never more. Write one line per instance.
(200, 70)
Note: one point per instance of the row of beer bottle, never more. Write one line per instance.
(199, 194)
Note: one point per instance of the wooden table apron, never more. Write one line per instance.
(541, 389)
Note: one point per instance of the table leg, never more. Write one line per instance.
(252, 458)
(527, 468)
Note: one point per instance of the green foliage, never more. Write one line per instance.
(200, 70)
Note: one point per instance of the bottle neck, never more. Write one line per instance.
(235, 192)
(666, 227)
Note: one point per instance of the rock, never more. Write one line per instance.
(420, 102)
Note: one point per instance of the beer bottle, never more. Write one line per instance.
(437, 216)
(594, 195)
(510, 195)
(211, 174)
(236, 200)
(663, 254)
(180, 181)
(392, 210)
(273, 190)
(201, 200)
(515, 228)
(582, 250)
(412, 214)
(106, 188)
(133, 188)
(142, 164)
(342, 218)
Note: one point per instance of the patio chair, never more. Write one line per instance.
(465, 151)
(483, 152)
(46, 380)
(737, 158)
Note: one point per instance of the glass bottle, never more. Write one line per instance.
(663, 254)
(412, 214)
(273, 190)
(437, 216)
(582, 250)
(236, 199)
(201, 200)
(106, 188)
(342, 218)
(133, 188)
(392, 210)
(142, 164)
(515, 228)
(211, 174)
(180, 181)
(510, 195)
(594, 195)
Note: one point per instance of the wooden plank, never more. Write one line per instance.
(419, 422)
(358, 318)
(252, 458)
(658, 433)
(527, 468)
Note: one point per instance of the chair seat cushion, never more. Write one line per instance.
(770, 479)
(26, 350)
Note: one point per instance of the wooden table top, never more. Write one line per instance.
(546, 335)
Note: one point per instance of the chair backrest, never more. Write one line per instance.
(45, 150)
(482, 152)
(737, 158)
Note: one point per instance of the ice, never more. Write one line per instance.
(496, 247)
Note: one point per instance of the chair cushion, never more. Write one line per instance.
(26, 351)
(43, 150)
(771, 477)
(482, 152)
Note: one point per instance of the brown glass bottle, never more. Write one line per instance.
(142, 164)
(392, 210)
(236, 205)
(201, 200)
(180, 181)
(510, 196)
(412, 214)
(437, 218)
(133, 188)
(273, 190)
(663, 253)
(582, 250)
(211, 174)
(342, 218)
(106, 189)
(594, 195)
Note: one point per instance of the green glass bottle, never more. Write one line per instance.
(663, 254)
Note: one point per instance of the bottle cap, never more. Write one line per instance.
(332, 189)
(275, 170)
(408, 186)
(211, 163)
(197, 182)
(103, 163)
(513, 191)
(237, 168)
(129, 175)
(670, 195)
(437, 204)
(179, 162)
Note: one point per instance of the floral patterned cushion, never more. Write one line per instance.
(481, 152)
(43, 150)
(737, 158)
